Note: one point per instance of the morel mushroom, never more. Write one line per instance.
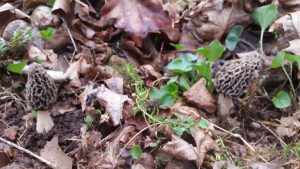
(236, 76)
(41, 94)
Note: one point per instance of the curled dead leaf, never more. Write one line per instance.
(199, 96)
(128, 15)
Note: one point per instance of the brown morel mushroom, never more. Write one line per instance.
(236, 76)
(41, 93)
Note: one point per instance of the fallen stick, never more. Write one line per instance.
(28, 152)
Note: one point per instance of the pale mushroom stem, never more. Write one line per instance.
(44, 121)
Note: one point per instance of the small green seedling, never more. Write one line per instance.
(213, 52)
(264, 17)
(16, 67)
(48, 34)
(88, 120)
(166, 95)
(3, 47)
(177, 46)
(282, 100)
(34, 113)
(233, 37)
(136, 152)
(203, 123)
(19, 40)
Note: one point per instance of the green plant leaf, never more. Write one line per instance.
(177, 46)
(184, 82)
(204, 67)
(282, 100)
(292, 58)
(213, 52)
(155, 144)
(233, 37)
(203, 123)
(136, 152)
(16, 67)
(48, 33)
(51, 3)
(265, 15)
(89, 120)
(278, 60)
(34, 113)
(166, 96)
(297, 150)
(182, 64)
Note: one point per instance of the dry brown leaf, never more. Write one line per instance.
(73, 73)
(276, 164)
(289, 125)
(199, 96)
(137, 16)
(222, 164)
(288, 28)
(181, 149)
(289, 5)
(204, 144)
(225, 105)
(54, 154)
(61, 7)
(113, 103)
(294, 47)
(84, 95)
(211, 20)
(115, 84)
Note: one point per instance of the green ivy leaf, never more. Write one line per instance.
(233, 37)
(48, 33)
(265, 15)
(203, 123)
(16, 67)
(166, 96)
(213, 52)
(282, 100)
(278, 60)
(136, 152)
(177, 46)
(204, 67)
(182, 64)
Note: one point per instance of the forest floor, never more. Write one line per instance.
(148, 84)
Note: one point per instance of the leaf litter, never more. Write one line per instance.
(136, 83)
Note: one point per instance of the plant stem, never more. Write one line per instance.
(290, 80)
(261, 48)
(247, 43)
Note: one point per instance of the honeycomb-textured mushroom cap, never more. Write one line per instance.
(41, 91)
(235, 76)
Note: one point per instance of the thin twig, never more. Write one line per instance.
(247, 43)
(28, 152)
(72, 39)
(241, 138)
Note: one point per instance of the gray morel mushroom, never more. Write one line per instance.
(236, 76)
(41, 94)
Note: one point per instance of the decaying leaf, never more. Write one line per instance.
(137, 16)
(113, 103)
(276, 164)
(222, 164)
(115, 84)
(53, 153)
(289, 30)
(206, 23)
(181, 149)
(289, 125)
(225, 105)
(199, 96)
